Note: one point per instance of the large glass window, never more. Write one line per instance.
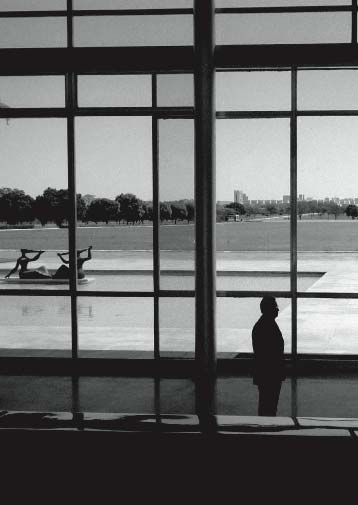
(114, 91)
(139, 153)
(287, 28)
(32, 5)
(114, 181)
(33, 32)
(132, 31)
(132, 4)
(32, 91)
(115, 324)
(34, 197)
(253, 227)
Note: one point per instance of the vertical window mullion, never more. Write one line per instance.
(293, 217)
(72, 218)
(156, 214)
(354, 21)
(69, 23)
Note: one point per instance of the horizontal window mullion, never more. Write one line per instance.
(175, 12)
(161, 112)
(320, 294)
(33, 14)
(285, 294)
(34, 292)
(252, 114)
(283, 10)
(115, 294)
(172, 293)
(343, 112)
(132, 12)
(45, 112)
(283, 114)
(61, 112)
(252, 294)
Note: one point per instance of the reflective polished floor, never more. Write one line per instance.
(330, 396)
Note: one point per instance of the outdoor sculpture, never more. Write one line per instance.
(63, 272)
(41, 274)
(27, 273)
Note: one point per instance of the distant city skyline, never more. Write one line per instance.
(241, 197)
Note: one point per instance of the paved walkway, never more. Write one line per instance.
(324, 325)
(329, 324)
(263, 261)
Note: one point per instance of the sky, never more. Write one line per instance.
(113, 155)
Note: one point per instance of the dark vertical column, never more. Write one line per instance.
(156, 247)
(205, 205)
(72, 218)
(354, 21)
(293, 205)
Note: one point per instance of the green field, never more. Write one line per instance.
(244, 236)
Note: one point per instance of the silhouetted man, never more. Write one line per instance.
(269, 367)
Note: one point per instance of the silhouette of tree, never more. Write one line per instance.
(335, 209)
(102, 210)
(16, 206)
(237, 207)
(148, 211)
(54, 206)
(130, 207)
(179, 211)
(190, 210)
(351, 211)
(165, 211)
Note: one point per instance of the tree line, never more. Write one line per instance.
(53, 206)
(306, 207)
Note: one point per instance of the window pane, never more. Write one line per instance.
(175, 90)
(253, 91)
(116, 324)
(32, 5)
(35, 324)
(327, 326)
(176, 194)
(236, 318)
(132, 4)
(327, 236)
(129, 31)
(32, 91)
(327, 89)
(114, 91)
(177, 327)
(114, 178)
(278, 3)
(253, 227)
(33, 32)
(293, 28)
(33, 197)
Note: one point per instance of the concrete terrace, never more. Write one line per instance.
(324, 325)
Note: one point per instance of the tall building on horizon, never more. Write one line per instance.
(240, 197)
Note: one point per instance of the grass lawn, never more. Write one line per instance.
(313, 235)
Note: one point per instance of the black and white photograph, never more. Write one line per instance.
(178, 243)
